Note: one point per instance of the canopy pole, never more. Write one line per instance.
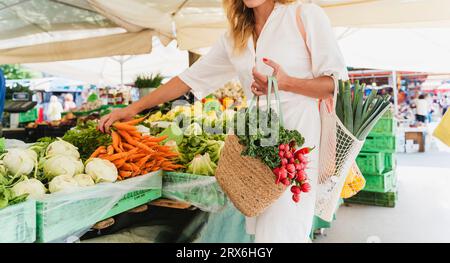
(395, 91)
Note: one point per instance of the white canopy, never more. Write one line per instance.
(422, 49)
(55, 24)
(169, 61)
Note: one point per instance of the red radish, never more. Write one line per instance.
(306, 187)
(302, 159)
(281, 154)
(293, 149)
(281, 147)
(286, 182)
(291, 175)
(296, 190)
(276, 171)
(301, 176)
(290, 168)
(292, 160)
(286, 147)
(288, 155)
(284, 161)
(299, 166)
(282, 173)
(296, 198)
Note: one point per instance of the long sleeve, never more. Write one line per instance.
(211, 71)
(326, 57)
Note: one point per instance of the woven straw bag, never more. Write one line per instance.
(248, 182)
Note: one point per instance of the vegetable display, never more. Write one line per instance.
(359, 116)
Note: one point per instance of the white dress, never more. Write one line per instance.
(281, 41)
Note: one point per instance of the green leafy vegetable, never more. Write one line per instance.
(267, 154)
(202, 165)
(87, 138)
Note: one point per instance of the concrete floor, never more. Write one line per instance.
(422, 213)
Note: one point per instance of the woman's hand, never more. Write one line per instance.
(259, 85)
(106, 121)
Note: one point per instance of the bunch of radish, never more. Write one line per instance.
(292, 169)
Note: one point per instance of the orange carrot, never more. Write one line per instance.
(135, 134)
(124, 127)
(137, 156)
(128, 146)
(125, 174)
(134, 142)
(110, 150)
(126, 167)
(135, 121)
(119, 162)
(142, 161)
(97, 151)
(119, 155)
(116, 141)
(156, 139)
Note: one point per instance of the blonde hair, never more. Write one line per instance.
(241, 21)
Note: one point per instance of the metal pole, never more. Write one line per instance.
(395, 90)
(121, 72)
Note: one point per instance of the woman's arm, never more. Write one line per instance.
(169, 91)
(320, 87)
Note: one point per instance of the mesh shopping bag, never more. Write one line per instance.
(338, 151)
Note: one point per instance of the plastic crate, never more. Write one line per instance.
(18, 223)
(388, 199)
(63, 215)
(28, 116)
(390, 162)
(198, 190)
(379, 143)
(380, 183)
(371, 163)
(385, 126)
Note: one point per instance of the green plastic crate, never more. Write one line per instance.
(389, 114)
(380, 183)
(390, 162)
(64, 216)
(18, 223)
(388, 199)
(132, 200)
(28, 116)
(385, 126)
(371, 163)
(198, 190)
(379, 143)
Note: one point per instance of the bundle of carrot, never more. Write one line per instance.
(135, 154)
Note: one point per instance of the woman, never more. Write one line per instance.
(265, 38)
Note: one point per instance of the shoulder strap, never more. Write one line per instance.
(301, 26)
